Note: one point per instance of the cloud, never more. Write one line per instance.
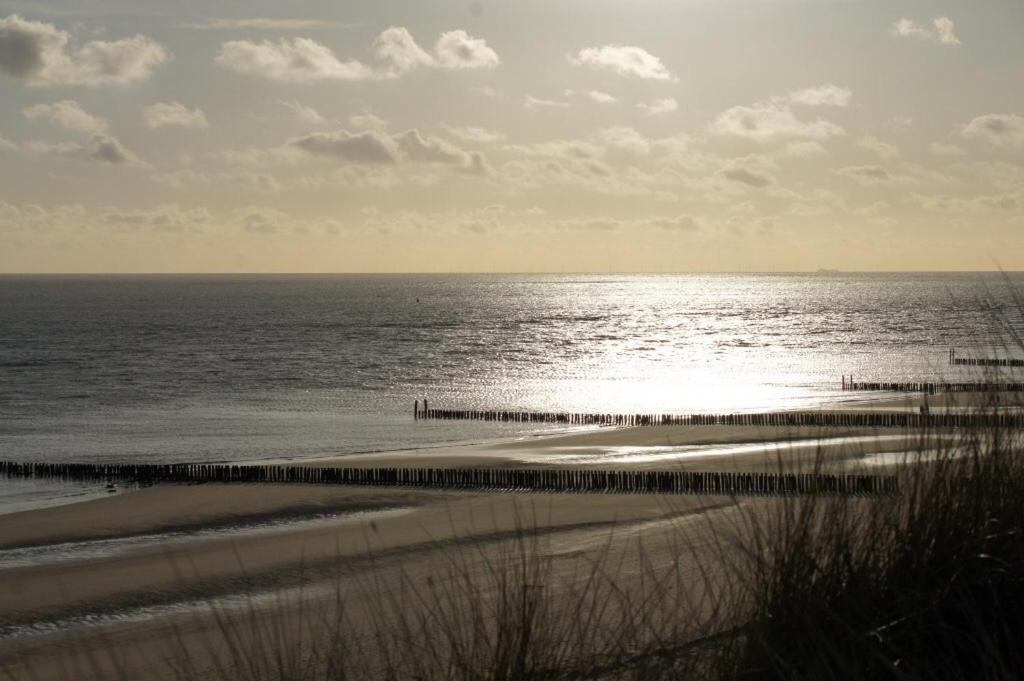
(396, 46)
(416, 148)
(942, 30)
(946, 203)
(824, 95)
(102, 148)
(804, 148)
(68, 114)
(475, 134)
(367, 121)
(458, 50)
(38, 54)
(1001, 130)
(625, 60)
(659, 107)
(299, 60)
(770, 120)
(164, 218)
(176, 114)
(946, 150)
(7, 145)
(306, 114)
(873, 175)
(750, 172)
(877, 146)
(260, 23)
(363, 147)
(531, 102)
(304, 60)
(593, 95)
(945, 31)
(261, 181)
(379, 148)
(679, 223)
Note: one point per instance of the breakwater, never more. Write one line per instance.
(984, 361)
(930, 388)
(549, 480)
(787, 419)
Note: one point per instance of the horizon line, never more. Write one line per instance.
(495, 272)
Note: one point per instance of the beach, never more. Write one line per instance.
(182, 545)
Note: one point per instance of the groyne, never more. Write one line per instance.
(786, 419)
(984, 361)
(541, 480)
(930, 388)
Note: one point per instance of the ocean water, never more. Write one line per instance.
(245, 368)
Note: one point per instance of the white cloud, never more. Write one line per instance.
(945, 31)
(367, 121)
(531, 102)
(625, 60)
(396, 46)
(824, 95)
(459, 50)
(38, 53)
(305, 60)
(1003, 130)
(290, 60)
(942, 30)
(260, 24)
(770, 120)
(475, 134)
(7, 145)
(659, 107)
(176, 114)
(68, 114)
(593, 95)
(306, 114)
(877, 146)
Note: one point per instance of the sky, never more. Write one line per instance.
(515, 136)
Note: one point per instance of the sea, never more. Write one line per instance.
(246, 368)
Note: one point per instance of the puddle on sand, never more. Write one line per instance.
(94, 549)
(669, 453)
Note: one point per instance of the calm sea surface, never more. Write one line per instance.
(243, 368)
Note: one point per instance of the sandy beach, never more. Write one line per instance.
(135, 565)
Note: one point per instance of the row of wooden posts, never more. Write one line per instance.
(476, 479)
(984, 361)
(789, 419)
(930, 388)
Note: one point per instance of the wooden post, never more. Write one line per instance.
(416, 410)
